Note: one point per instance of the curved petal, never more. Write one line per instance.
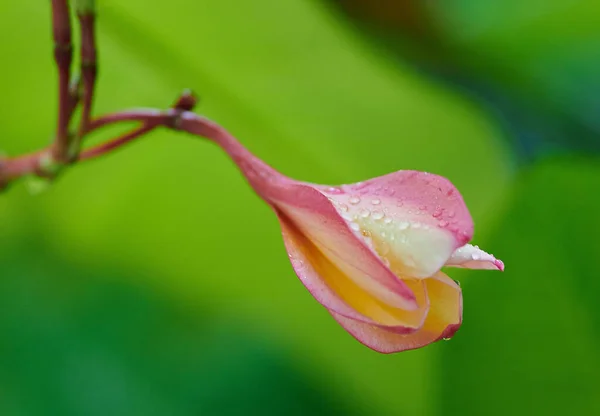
(341, 295)
(415, 220)
(472, 257)
(443, 320)
(316, 218)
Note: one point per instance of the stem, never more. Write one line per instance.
(89, 67)
(111, 145)
(63, 56)
(14, 168)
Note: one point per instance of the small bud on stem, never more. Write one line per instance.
(73, 91)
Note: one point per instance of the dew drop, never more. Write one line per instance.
(403, 225)
(388, 220)
(344, 207)
(377, 215)
(354, 200)
(475, 257)
(451, 214)
(376, 201)
(364, 213)
(437, 214)
(443, 223)
(355, 226)
(416, 225)
(423, 207)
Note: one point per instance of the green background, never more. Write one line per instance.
(154, 282)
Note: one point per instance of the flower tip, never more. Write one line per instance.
(499, 264)
(450, 331)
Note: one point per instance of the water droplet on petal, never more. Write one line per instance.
(388, 220)
(355, 226)
(377, 215)
(423, 207)
(416, 225)
(354, 200)
(364, 213)
(443, 223)
(376, 201)
(344, 207)
(403, 225)
(451, 214)
(475, 257)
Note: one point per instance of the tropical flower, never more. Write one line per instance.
(371, 252)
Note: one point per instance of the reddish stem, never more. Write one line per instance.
(111, 145)
(13, 168)
(63, 56)
(89, 67)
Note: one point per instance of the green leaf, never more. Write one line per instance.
(82, 342)
(530, 340)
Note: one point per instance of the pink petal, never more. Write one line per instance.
(414, 220)
(443, 320)
(315, 217)
(472, 257)
(341, 295)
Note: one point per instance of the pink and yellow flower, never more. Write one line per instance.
(371, 253)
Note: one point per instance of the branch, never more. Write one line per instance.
(42, 164)
(63, 56)
(65, 149)
(89, 68)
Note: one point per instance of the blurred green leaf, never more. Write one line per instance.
(532, 64)
(530, 341)
(81, 342)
